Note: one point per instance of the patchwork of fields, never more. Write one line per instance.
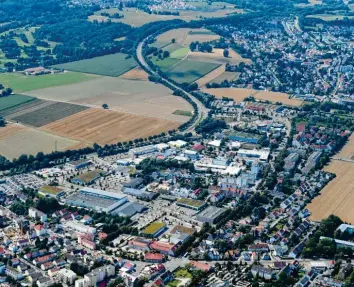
(185, 66)
(64, 110)
(137, 18)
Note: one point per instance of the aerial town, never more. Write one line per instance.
(176, 143)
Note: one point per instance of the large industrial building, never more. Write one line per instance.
(210, 214)
(96, 199)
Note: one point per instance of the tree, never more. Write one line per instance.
(166, 54)
(105, 106)
(226, 53)
(173, 41)
(192, 46)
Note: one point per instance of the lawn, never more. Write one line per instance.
(13, 101)
(189, 71)
(21, 83)
(183, 273)
(110, 65)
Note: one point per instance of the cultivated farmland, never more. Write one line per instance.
(184, 36)
(109, 65)
(107, 127)
(138, 97)
(228, 76)
(189, 71)
(16, 140)
(13, 101)
(21, 83)
(136, 73)
(50, 113)
(211, 76)
(239, 94)
(137, 18)
(217, 57)
(338, 195)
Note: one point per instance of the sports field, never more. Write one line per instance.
(188, 71)
(21, 83)
(239, 94)
(16, 140)
(107, 127)
(110, 65)
(13, 101)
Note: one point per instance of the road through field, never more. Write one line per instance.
(202, 110)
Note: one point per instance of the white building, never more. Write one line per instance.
(66, 276)
(134, 152)
(99, 274)
(37, 214)
(262, 154)
(178, 143)
(79, 227)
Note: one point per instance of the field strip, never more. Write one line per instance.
(210, 76)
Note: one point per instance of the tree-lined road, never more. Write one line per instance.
(202, 110)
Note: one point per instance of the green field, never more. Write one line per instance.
(164, 64)
(180, 53)
(189, 71)
(14, 100)
(109, 65)
(21, 83)
(183, 113)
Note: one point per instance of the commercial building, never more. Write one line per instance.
(135, 152)
(98, 200)
(154, 229)
(244, 137)
(178, 143)
(210, 214)
(191, 203)
(262, 154)
(141, 194)
(129, 209)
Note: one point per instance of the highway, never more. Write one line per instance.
(202, 110)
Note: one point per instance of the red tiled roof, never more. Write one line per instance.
(153, 256)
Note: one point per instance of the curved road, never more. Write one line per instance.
(202, 110)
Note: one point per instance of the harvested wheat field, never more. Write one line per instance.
(107, 127)
(136, 73)
(338, 195)
(211, 76)
(132, 96)
(217, 56)
(348, 150)
(239, 94)
(16, 140)
(9, 130)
